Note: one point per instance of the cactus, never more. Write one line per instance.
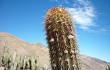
(32, 63)
(15, 62)
(61, 38)
(4, 57)
(108, 67)
(9, 64)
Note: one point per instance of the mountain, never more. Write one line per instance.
(23, 48)
(39, 50)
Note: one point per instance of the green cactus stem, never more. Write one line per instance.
(108, 67)
(5, 57)
(15, 62)
(61, 38)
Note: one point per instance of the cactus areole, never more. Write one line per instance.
(61, 38)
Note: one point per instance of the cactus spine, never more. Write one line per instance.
(61, 38)
(108, 67)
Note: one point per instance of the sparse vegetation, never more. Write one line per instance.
(61, 38)
(14, 62)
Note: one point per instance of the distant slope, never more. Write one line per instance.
(24, 48)
(90, 63)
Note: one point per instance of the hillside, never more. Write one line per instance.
(39, 50)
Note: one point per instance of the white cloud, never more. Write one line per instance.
(83, 13)
(105, 29)
(54, 0)
(100, 30)
(66, 1)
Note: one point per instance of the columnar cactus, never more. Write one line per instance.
(14, 62)
(4, 57)
(108, 67)
(61, 38)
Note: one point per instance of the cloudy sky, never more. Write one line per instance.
(25, 20)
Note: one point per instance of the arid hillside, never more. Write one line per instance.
(39, 50)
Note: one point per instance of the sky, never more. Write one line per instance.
(25, 19)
